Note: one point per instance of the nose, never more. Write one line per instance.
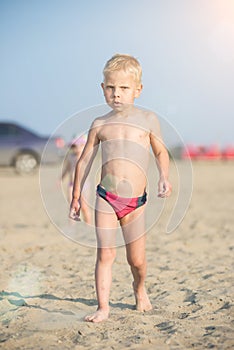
(116, 92)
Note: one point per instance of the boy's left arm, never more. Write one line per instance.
(162, 160)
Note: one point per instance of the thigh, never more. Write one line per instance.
(105, 224)
(134, 235)
(133, 225)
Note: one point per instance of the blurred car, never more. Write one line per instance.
(212, 152)
(228, 152)
(23, 148)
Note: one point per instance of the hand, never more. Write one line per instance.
(74, 213)
(164, 188)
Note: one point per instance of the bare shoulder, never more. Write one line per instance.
(153, 124)
(96, 128)
(100, 121)
(150, 119)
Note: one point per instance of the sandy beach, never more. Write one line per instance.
(47, 280)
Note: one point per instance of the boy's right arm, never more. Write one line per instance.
(82, 170)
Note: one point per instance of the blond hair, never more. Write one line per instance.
(124, 62)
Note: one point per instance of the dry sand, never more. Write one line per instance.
(47, 280)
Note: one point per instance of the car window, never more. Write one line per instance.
(9, 130)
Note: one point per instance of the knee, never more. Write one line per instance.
(136, 262)
(106, 255)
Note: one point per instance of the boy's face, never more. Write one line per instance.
(120, 89)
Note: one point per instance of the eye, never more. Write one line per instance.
(124, 87)
(109, 87)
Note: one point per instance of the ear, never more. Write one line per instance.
(103, 86)
(138, 90)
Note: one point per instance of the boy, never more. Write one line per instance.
(76, 148)
(125, 134)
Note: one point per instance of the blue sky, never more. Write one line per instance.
(53, 53)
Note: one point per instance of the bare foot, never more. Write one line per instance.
(142, 300)
(98, 316)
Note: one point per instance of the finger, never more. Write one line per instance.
(161, 195)
(165, 192)
(74, 215)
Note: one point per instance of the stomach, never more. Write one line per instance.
(124, 178)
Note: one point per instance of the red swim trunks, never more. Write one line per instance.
(121, 205)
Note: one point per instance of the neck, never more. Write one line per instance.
(124, 112)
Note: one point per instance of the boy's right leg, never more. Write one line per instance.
(105, 222)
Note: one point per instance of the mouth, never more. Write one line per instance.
(117, 104)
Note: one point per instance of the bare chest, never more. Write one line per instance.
(123, 132)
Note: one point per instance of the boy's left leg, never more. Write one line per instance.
(133, 227)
